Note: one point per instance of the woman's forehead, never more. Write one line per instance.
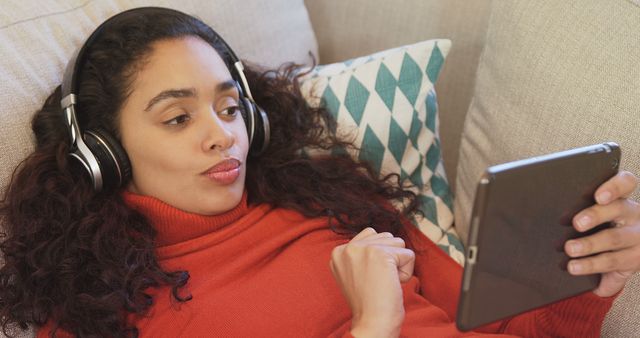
(181, 63)
(176, 64)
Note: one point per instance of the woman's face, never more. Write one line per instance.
(182, 129)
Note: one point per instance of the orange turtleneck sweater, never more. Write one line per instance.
(264, 272)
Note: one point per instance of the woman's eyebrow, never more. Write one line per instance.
(188, 92)
(226, 85)
(171, 93)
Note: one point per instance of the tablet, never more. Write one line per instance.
(520, 221)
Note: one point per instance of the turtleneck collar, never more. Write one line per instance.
(174, 225)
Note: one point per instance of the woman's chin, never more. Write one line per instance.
(216, 203)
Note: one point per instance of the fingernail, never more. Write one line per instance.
(584, 221)
(575, 267)
(604, 196)
(575, 247)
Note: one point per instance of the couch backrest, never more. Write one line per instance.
(38, 37)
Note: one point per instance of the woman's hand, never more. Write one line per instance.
(617, 248)
(369, 270)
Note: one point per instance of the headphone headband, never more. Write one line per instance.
(72, 73)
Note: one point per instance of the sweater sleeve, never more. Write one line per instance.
(579, 316)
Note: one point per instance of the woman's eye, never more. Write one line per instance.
(180, 119)
(230, 111)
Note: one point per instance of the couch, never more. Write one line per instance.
(523, 78)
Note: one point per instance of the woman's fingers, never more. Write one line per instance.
(620, 261)
(366, 253)
(619, 211)
(370, 236)
(366, 232)
(617, 238)
(405, 261)
(619, 186)
(384, 241)
(613, 252)
(379, 247)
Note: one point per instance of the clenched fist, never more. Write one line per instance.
(369, 270)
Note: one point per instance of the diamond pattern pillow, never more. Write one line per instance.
(386, 102)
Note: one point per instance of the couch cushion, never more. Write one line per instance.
(38, 38)
(347, 29)
(386, 104)
(555, 75)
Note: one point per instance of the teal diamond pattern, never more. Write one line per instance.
(435, 64)
(397, 140)
(416, 127)
(356, 99)
(453, 240)
(433, 157)
(330, 101)
(416, 177)
(428, 206)
(403, 174)
(386, 85)
(432, 111)
(410, 78)
(372, 149)
(441, 189)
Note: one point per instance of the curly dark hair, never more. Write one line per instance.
(83, 260)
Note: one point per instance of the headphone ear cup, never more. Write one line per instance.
(249, 118)
(263, 130)
(257, 124)
(112, 159)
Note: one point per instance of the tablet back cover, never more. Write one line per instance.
(520, 222)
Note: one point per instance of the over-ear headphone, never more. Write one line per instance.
(101, 154)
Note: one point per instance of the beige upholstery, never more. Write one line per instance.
(555, 75)
(346, 29)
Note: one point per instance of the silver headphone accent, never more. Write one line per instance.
(80, 149)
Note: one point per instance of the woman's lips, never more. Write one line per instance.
(224, 172)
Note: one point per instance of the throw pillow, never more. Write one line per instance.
(386, 103)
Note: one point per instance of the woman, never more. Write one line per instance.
(210, 235)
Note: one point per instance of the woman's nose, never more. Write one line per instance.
(218, 133)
